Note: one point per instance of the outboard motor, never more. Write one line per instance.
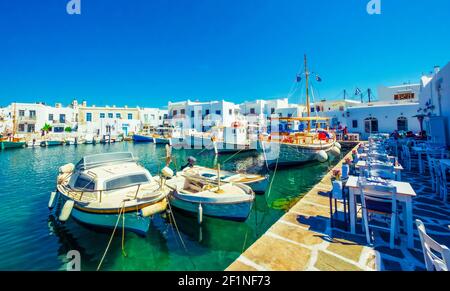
(191, 163)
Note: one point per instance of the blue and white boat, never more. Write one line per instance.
(101, 189)
(258, 183)
(204, 197)
(142, 138)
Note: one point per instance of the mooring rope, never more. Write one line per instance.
(179, 234)
(227, 160)
(121, 211)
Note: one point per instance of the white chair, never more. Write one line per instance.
(444, 183)
(431, 250)
(406, 157)
(379, 200)
(434, 177)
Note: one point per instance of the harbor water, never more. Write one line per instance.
(31, 238)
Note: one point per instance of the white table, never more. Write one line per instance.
(398, 169)
(405, 194)
(364, 157)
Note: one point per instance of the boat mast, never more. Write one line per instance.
(14, 121)
(308, 107)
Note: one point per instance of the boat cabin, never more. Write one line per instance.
(109, 172)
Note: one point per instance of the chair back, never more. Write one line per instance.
(379, 198)
(431, 250)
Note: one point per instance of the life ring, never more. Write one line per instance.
(235, 124)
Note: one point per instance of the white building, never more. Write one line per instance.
(336, 110)
(395, 109)
(202, 116)
(258, 112)
(435, 104)
(153, 117)
(5, 119)
(108, 120)
(32, 117)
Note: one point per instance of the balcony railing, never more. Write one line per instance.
(27, 118)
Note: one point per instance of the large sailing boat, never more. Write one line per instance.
(11, 141)
(303, 146)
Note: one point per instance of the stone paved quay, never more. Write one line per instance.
(304, 240)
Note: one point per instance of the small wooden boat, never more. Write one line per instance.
(5, 144)
(12, 142)
(137, 138)
(227, 201)
(51, 143)
(258, 183)
(101, 187)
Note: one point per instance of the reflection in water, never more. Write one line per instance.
(37, 241)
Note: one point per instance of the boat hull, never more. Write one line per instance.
(228, 148)
(133, 221)
(161, 140)
(141, 138)
(259, 187)
(238, 211)
(4, 145)
(285, 155)
(51, 143)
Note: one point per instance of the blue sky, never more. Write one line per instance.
(142, 52)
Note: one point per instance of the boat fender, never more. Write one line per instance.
(335, 151)
(322, 156)
(52, 200)
(67, 169)
(66, 210)
(154, 209)
(200, 214)
(338, 145)
(167, 172)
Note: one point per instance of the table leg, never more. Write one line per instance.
(409, 223)
(398, 175)
(420, 163)
(352, 210)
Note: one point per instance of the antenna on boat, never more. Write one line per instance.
(14, 122)
(308, 107)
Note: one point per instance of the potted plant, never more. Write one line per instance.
(336, 175)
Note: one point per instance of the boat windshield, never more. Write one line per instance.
(94, 161)
(84, 183)
(126, 181)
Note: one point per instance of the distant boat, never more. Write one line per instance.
(12, 142)
(234, 139)
(142, 138)
(51, 143)
(4, 145)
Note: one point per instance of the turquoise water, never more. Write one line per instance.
(31, 239)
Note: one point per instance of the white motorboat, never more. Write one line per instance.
(204, 197)
(234, 139)
(100, 188)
